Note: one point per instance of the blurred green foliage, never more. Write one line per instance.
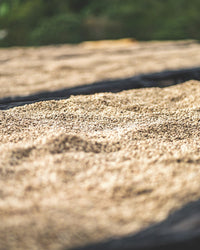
(57, 29)
(41, 22)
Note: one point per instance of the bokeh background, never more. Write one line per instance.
(43, 22)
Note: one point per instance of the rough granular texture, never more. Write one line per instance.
(88, 168)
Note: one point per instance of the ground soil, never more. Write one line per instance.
(88, 168)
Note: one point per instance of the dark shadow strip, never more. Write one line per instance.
(180, 231)
(158, 79)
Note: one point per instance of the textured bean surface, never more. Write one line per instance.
(88, 168)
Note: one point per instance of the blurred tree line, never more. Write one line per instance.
(40, 22)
